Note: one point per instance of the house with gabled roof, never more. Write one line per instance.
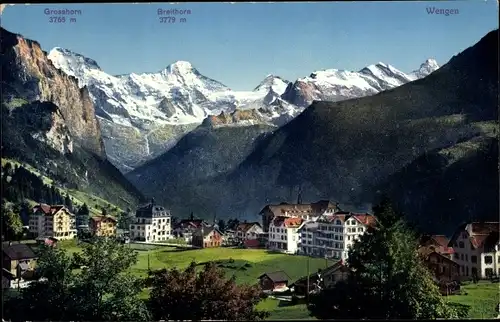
(54, 221)
(325, 278)
(207, 237)
(19, 260)
(250, 230)
(274, 281)
(103, 226)
(476, 249)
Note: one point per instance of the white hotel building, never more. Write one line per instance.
(331, 235)
(152, 224)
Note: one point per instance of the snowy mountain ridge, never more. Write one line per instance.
(143, 115)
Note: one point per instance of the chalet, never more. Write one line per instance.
(103, 226)
(304, 211)
(19, 260)
(274, 282)
(442, 268)
(245, 231)
(476, 249)
(326, 278)
(207, 237)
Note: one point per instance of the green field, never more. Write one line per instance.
(248, 264)
(245, 264)
(482, 298)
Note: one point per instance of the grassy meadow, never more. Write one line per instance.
(248, 264)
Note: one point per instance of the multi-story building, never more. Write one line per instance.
(332, 234)
(103, 226)
(52, 221)
(152, 223)
(283, 234)
(299, 210)
(476, 248)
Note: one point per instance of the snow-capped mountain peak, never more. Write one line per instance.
(71, 59)
(131, 107)
(426, 68)
(180, 67)
(276, 83)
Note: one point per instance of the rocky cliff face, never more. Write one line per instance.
(28, 74)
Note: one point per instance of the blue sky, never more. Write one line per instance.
(239, 44)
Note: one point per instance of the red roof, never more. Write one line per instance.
(288, 222)
(365, 219)
(46, 209)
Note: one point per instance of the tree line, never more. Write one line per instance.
(386, 280)
(19, 184)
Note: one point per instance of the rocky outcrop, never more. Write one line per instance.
(236, 118)
(28, 74)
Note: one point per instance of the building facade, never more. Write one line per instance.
(103, 226)
(152, 224)
(332, 234)
(476, 249)
(52, 221)
(283, 234)
(299, 210)
(207, 237)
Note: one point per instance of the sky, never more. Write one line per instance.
(239, 44)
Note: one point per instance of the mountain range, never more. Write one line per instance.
(428, 139)
(143, 115)
(430, 144)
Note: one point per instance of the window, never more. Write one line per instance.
(466, 257)
(467, 270)
(456, 255)
(473, 259)
(498, 259)
(488, 259)
(461, 244)
(488, 272)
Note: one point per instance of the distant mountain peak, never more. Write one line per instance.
(430, 65)
(273, 82)
(62, 54)
(181, 67)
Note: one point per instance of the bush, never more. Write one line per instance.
(248, 265)
(461, 309)
(231, 260)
